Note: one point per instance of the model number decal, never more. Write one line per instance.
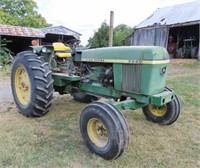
(125, 61)
(135, 61)
(94, 60)
(112, 60)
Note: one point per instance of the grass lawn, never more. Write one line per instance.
(55, 141)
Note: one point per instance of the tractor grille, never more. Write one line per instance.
(131, 78)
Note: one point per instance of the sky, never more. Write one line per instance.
(86, 16)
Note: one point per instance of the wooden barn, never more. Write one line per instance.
(176, 28)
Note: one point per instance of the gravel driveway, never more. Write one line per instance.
(6, 99)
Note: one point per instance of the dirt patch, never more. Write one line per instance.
(6, 99)
(183, 66)
(183, 61)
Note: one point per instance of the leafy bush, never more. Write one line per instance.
(4, 51)
(5, 69)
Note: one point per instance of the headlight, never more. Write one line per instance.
(44, 49)
(34, 51)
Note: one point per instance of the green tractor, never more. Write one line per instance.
(129, 77)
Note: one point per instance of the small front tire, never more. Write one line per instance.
(164, 115)
(104, 130)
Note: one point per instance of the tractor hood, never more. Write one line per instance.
(127, 54)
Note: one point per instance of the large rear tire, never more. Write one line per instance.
(32, 84)
(104, 130)
(180, 53)
(194, 52)
(164, 115)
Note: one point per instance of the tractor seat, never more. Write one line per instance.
(61, 50)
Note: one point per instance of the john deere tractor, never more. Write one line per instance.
(128, 77)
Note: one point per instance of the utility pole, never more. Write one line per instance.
(198, 57)
(110, 43)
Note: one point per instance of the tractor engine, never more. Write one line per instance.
(96, 73)
(140, 70)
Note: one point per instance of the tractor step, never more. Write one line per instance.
(68, 77)
(60, 79)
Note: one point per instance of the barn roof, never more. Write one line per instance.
(178, 14)
(36, 32)
(61, 30)
(20, 31)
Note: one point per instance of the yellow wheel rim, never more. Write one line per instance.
(158, 111)
(22, 86)
(97, 132)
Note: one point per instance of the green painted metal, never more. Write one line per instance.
(127, 104)
(96, 72)
(140, 79)
(137, 69)
(100, 90)
(62, 79)
(117, 71)
(152, 81)
(125, 53)
(139, 73)
(68, 89)
(141, 100)
(78, 56)
(162, 98)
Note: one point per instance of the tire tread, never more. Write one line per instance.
(41, 84)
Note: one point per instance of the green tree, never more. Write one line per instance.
(100, 38)
(121, 36)
(21, 13)
(6, 18)
(4, 51)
